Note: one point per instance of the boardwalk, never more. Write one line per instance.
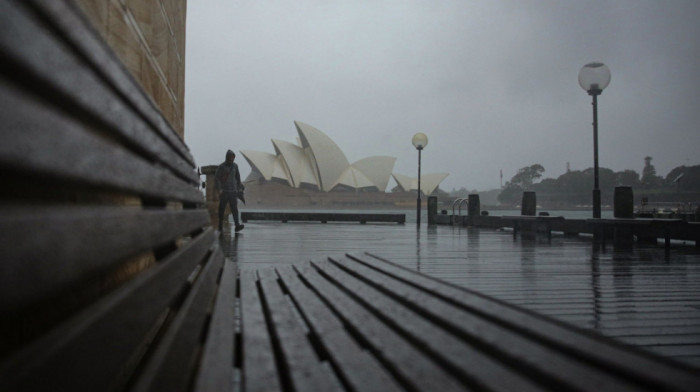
(643, 297)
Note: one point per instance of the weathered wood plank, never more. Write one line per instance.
(610, 356)
(49, 145)
(474, 368)
(45, 250)
(74, 356)
(172, 365)
(302, 367)
(77, 80)
(356, 367)
(505, 343)
(260, 371)
(216, 366)
(322, 217)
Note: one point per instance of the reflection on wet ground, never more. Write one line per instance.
(642, 296)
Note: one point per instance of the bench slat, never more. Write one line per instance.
(358, 369)
(606, 353)
(216, 366)
(304, 368)
(39, 140)
(172, 365)
(259, 367)
(81, 81)
(73, 355)
(469, 364)
(549, 366)
(46, 250)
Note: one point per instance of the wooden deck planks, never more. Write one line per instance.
(407, 363)
(436, 345)
(502, 343)
(360, 322)
(355, 367)
(565, 338)
(301, 365)
(259, 367)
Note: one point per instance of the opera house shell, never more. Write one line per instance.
(317, 163)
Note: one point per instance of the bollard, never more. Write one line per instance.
(473, 208)
(529, 204)
(432, 209)
(623, 209)
(624, 202)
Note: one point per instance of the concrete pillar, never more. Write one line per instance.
(432, 209)
(212, 197)
(529, 204)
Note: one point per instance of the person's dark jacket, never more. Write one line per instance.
(228, 178)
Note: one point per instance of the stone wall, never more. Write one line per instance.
(149, 37)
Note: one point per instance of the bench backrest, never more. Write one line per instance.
(109, 265)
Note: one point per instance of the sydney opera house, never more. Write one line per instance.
(316, 165)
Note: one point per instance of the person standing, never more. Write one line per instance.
(227, 181)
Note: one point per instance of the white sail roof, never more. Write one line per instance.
(428, 184)
(293, 158)
(377, 169)
(262, 163)
(279, 173)
(353, 178)
(317, 162)
(327, 159)
(405, 182)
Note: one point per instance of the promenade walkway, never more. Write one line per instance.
(644, 297)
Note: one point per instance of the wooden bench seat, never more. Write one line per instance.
(323, 217)
(531, 224)
(363, 323)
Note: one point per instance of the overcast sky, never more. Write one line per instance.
(493, 84)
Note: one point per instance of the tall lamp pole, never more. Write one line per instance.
(594, 77)
(419, 142)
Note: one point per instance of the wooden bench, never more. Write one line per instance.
(531, 224)
(111, 275)
(362, 323)
(323, 217)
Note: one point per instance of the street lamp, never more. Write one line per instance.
(594, 77)
(419, 142)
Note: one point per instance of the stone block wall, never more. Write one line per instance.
(149, 37)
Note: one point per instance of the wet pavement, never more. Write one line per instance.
(642, 296)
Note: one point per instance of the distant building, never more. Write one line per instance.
(317, 163)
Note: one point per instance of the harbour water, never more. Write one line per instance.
(643, 296)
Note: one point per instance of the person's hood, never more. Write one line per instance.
(229, 152)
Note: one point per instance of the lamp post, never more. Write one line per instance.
(419, 142)
(594, 77)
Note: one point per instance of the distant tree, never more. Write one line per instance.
(628, 178)
(461, 192)
(521, 181)
(607, 178)
(548, 185)
(441, 195)
(690, 180)
(649, 177)
(527, 175)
